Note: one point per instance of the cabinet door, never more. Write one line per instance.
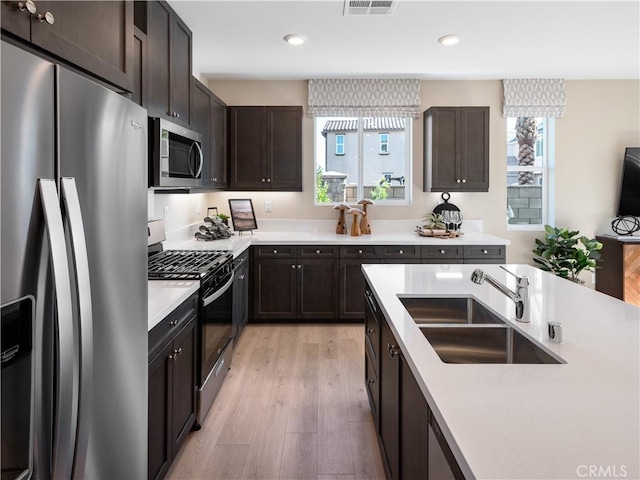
(14, 20)
(352, 288)
(274, 287)
(160, 404)
(218, 156)
(443, 153)
(158, 49)
(284, 148)
(389, 401)
(473, 148)
(414, 426)
(201, 123)
(247, 144)
(180, 69)
(184, 384)
(240, 299)
(317, 292)
(139, 91)
(97, 36)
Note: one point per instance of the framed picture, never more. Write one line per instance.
(242, 214)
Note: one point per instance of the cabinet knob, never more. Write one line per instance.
(393, 350)
(485, 252)
(401, 252)
(293, 267)
(442, 251)
(457, 180)
(275, 252)
(173, 323)
(370, 381)
(464, 180)
(29, 6)
(370, 330)
(299, 267)
(268, 180)
(241, 277)
(46, 17)
(175, 354)
(263, 180)
(318, 252)
(359, 252)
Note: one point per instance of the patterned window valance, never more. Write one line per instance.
(534, 97)
(364, 98)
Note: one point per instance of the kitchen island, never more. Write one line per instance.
(575, 419)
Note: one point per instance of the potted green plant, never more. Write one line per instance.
(565, 253)
(223, 218)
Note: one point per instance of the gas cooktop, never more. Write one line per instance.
(186, 264)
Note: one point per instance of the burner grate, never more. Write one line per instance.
(185, 264)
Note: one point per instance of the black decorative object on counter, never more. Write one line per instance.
(446, 206)
(625, 225)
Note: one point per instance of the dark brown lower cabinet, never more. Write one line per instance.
(317, 282)
(411, 442)
(274, 287)
(172, 389)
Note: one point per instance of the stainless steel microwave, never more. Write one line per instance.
(175, 154)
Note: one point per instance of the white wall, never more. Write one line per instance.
(602, 118)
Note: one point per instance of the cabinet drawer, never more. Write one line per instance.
(359, 251)
(441, 251)
(318, 251)
(274, 251)
(400, 251)
(484, 251)
(164, 331)
(373, 391)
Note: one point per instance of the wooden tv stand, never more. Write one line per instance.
(618, 274)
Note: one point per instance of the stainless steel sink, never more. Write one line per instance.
(451, 310)
(485, 344)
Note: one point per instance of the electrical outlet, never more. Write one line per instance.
(166, 213)
(267, 206)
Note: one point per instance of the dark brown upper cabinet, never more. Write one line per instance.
(456, 149)
(95, 36)
(208, 118)
(169, 63)
(265, 148)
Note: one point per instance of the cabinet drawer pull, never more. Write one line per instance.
(173, 323)
(443, 251)
(29, 6)
(359, 252)
(46, 17)
(485, 251)
(393, 350)
(318, 252)
(370, 330)
(370, 381)
(175, 354)
(401, 252)
(275, 252)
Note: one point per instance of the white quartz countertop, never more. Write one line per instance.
(529, 421)
(165, 296)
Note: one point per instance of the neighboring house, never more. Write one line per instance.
(383, 147)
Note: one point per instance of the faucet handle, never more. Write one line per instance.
(523, 281)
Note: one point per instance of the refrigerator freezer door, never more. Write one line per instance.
(103, 145)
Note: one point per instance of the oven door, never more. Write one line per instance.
(216, 326)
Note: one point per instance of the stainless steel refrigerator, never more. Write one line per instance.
(74, 275)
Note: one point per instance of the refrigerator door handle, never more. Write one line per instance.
(85, 322)
(65, 415)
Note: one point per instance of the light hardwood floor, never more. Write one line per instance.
(293, 406)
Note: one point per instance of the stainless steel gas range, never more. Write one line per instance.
(214, 270)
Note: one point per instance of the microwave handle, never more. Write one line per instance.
(201, 157)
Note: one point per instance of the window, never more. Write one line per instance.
(354, 168)
(529, 172)
(339, 144)
(384, 144)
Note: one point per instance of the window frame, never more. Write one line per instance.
(408, 160)
(384, 143)
(547, 170)
(343, 137)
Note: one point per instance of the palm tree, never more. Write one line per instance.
(526, 134)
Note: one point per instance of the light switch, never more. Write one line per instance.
(267, 206)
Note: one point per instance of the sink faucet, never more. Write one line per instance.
(520, 297)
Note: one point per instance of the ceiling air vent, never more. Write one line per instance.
(369, 7)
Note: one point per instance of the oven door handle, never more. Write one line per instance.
(218, 293)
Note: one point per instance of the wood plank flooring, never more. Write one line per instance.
(293, 407)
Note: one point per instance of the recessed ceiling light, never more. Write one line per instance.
(294, 39)
(449, 40)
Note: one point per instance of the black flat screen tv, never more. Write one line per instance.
(630, 186)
